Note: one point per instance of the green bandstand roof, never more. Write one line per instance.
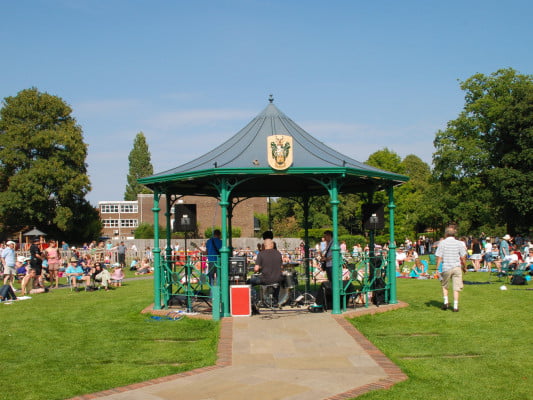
(245, 157)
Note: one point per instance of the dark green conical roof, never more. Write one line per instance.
(246, 153)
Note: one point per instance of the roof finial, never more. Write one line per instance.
(271, 98)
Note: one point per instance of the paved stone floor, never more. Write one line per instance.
(288, 354)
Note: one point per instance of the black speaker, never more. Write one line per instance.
(185, 218)
(373, 216)
(237, 266)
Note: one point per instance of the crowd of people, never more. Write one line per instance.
(38, 267)
(483, 254)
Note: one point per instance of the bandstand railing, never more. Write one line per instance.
(367, 278)
(185, 280)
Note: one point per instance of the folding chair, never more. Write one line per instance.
(504, 271)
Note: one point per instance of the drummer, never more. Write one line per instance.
(269, 263)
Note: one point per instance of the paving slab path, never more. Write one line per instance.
(285, 355)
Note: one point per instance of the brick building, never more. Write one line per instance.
(121, 218)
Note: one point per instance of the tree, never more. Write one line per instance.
(412, 203)
(483, 157)
(43, 175)
(390, 161)
(140, 166)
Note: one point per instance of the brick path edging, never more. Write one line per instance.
(224, 355)
(394, 373)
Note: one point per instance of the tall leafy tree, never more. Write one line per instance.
(484, 156)
(43, 175)
(389, 160)
(412, 202)
(139, 165)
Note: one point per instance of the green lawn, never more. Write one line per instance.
(61, 344)
(482, 352)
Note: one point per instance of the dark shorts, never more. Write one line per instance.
(38, 268)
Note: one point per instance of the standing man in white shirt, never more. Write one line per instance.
(9, 259)
(452, 253)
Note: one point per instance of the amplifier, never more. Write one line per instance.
(237, 266)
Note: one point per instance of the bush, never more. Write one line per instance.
(144, 231)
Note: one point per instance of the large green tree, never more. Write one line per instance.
(483, 159)
(413, 207)
(140, 165)
(43, 175)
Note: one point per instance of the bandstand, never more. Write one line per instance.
(270, 157)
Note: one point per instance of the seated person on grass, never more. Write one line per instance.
(117, 276)
(101, 275)
(7, 293)
(529, 261)
(144, 268)
(27, 284)
(133, 265)
(418, 270)
(75, 274)
(22, 267)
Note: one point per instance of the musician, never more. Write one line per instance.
(327, 255)
(213, 246)
(269, 263)
(269, 235)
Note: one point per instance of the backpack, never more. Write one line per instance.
(378, 296)
(518, 280)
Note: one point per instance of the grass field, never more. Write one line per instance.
(62, 344)
(482, 352)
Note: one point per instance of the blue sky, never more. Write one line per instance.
(358, 75)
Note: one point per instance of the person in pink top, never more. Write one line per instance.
(117, 276)
(53, 256)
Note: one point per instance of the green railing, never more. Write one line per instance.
(185, 281)
(365, 279)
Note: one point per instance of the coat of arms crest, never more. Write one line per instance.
(279, 149)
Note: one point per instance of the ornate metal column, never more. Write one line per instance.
(224, 191)
(305, 205)
(391, 270)
(157, 252)
(335, 248)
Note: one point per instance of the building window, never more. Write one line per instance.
(109, 208)
(129, 223)
(129, 208)
(110, 223)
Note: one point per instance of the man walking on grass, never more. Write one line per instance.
(452, 253)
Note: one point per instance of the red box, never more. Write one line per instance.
(240, 300)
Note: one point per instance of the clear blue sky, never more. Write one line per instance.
(358, 75)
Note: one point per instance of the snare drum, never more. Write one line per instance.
(294, 279)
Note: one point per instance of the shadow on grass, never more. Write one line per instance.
(433, 303)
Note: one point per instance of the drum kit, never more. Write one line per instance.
(289, 295)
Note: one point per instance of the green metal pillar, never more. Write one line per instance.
(224, 250)
(168, 248)
(306, 245)
(335, 248)
(391, 272)
(157, 253)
